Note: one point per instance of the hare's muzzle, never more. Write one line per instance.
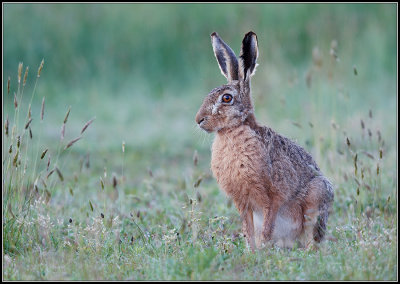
(200, 121)
(200, 118)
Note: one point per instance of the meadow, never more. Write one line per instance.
(106, 175)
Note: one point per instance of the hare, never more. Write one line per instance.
(280, 193)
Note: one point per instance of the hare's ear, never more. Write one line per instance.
(226, 58)
(248, 56)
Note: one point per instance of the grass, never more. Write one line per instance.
(134, 197)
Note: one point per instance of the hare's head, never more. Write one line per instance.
(229, 105)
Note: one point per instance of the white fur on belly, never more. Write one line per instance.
(284, 228)
(258, 221)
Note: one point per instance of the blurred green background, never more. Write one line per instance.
(143, 69)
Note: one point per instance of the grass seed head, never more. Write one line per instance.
(362, 124)
(114, 181)
(30, 133)
(6, 126)
(309, 79)
(42, 110)
(40, 68)
(48, 162)
(25, 75)
(28, 123)
(20, 65)
(67, 114)
(59, 174)
(15, 101)
(87, 125)
(72, 142)
(62, 131)
(15, 160)
(43, 154)
(50, 173)
(101, 183)
(195, 158)
(316, 57)
(8, 85)
(355, 70)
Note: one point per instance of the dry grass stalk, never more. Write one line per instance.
(197, 183)
(59, 174)
(29, 112)
(355, 70)
(50, 173)
(6, 126)
(115, 182)
(355, 164)
(28, 123)
(87, 125)
(195, 158)
(296, 124)
(40, 68)
(102, 183)
(43, 154)
(42, 110)
(62, 131)
(66, 115)
(308, 79)
(369, 155)
(25, 76)
(348, 142)
(15, 101)
(48, 162)
(15, 158)
(72, 142)
(20, 65)
(123, 146)
(316, 57)
(379, 135)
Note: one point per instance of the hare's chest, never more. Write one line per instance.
(237, 160)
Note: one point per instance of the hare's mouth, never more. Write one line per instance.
(202, 125)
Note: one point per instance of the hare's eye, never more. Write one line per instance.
(227, 98)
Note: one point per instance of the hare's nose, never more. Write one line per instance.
(200, 118)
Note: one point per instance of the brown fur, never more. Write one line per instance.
(263, 172)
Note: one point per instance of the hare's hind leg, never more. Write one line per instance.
(316, 210)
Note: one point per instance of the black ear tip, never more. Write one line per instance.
(214, 34)
(250, 34)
